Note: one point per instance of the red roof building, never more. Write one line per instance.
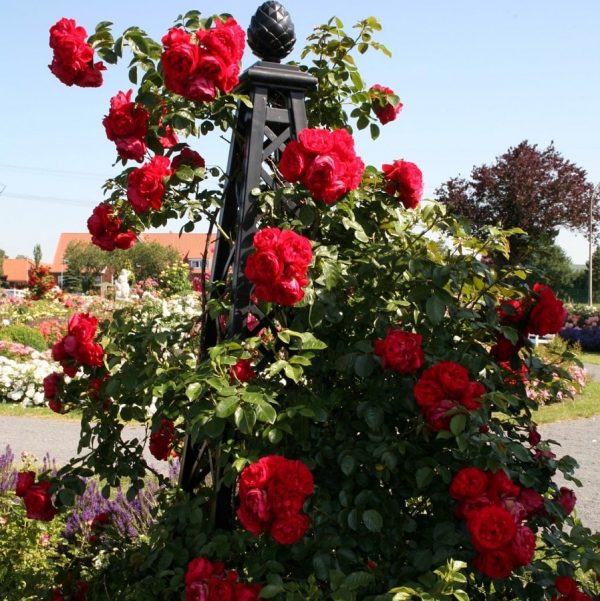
(16, 271)
(190, 247)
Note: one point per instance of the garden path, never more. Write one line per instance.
(59, 438)
(578, 438)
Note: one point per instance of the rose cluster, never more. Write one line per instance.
(106, 229)
(400, 351)
(324, 162)
(278, 266)
(127, 126)
(196, 66)
(404, 180)
(540, 314)
(53, 385)
(384, 110)
(242, 371)
(494, 508)
(73, 57)
(567, 590)
(209, 581)
(146, 185)
(36, 497)
(77, 347)
(161, 441)
(272, 492)
(443, 387)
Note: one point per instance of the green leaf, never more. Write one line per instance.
(364, 366)
(265, 413)
(245, 418)
(458, 423)
(192, 392)
(348, 464)
(374, 131)
(373, 415)
(227, 406)
(372, 520)
(270, 590)
(435, 309)
(423, 476)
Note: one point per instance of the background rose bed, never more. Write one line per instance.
(373, 439)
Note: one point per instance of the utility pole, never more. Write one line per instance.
(593, 197)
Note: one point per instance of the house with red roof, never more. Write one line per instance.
(190, 247)
(16, 272)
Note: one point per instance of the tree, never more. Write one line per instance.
(37, 255)
(535, 190)
(2, 256)
(552, 266)
(144, 259)
(85, 263)
(582, 278)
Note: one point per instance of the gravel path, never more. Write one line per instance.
(57, 437)
(581, 439)
(577, 438)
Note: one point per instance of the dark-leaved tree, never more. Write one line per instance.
(528, 188)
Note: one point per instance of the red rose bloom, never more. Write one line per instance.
(161, 440)
(405, 180)
(548, 314)
(497, 563)
(25, 481)
(502, 486)
(38, 502)
(105, 228)
(272, 492)
(384, 110)
(146, 186)
(52, 384)
(187, 157)
(324, 162)
(470, 482)
(532, 501)
(400, 351)
(491, 528)
(522, 547)
(278, 266)
(73, 59)
(207, 581)
(290, 528)
(127, 126)
(198, 68)
(243, 370)
(77, 347)
(444, 387)
(567, 499)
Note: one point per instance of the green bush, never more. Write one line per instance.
(24, 335)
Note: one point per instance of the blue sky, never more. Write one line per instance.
(475, 77)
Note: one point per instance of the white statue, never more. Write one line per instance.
(122, 285)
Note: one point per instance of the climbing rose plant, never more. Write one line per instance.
(371, 438)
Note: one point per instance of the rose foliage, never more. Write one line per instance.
(362, 442)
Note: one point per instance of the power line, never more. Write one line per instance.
(83, 174)
(49, 199)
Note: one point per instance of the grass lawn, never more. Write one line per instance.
(593, 358)
(584, 405)
(11, 409)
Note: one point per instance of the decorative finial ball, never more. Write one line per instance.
(271, 33)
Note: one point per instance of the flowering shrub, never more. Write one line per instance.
(384, 363)
(22, 381)
(582, 327)
(40, 283)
